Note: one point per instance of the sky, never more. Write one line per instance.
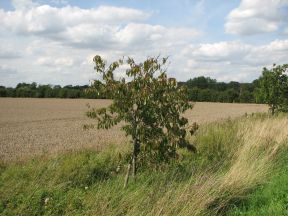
(54, 41)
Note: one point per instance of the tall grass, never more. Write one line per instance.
(234, 157)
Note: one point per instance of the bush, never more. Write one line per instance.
(149, 103)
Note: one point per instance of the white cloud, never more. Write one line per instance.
(136, 34)
(221, 51)
(233, 60)
(239, 52)
(6, 70)
(49, 61)
(9, 76)
(23, 4)
(265, 55)
(257, 16)
(104, 27)
(56, 45)
(45, 19)
(8, 52)
(59, 2)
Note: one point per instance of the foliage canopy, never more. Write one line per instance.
(273, 88)
(148, 102)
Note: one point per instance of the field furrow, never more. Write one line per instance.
(40, 127)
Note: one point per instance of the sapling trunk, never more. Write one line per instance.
(273, 110)
(127, 174)
(133, 162)
(134, 166)
(136, 149)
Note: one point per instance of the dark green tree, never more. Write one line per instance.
(273, 88)
(201, 82)
(3, 91)
(148, 102)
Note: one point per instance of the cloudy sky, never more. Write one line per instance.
(54, 41)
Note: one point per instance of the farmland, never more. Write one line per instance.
(149, 108)
(240, 167)
(43, 127)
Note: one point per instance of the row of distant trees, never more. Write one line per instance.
(46, 91)
(199, 89)
(207, 89)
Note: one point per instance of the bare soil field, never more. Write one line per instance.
(41, 127)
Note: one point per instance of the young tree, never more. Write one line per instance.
(273, 88)
(148, 102)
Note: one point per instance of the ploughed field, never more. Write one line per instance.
(41, 127)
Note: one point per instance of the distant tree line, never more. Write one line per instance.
(199, 89)
(207, 89)
(46, 91)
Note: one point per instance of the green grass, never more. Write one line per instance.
(80, 183)
(270, 198)
(91, 183)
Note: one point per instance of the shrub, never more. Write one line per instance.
(273, 88)
(149, 103)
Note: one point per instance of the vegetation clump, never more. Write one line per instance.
(273, 88)
(148, 102)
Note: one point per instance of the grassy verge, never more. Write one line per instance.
(234, 167)
(270, 198)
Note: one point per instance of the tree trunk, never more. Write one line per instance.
(134, 166)
(272, 109)
(133, 162)
(136, 150)
(127, 174)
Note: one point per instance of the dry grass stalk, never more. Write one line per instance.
(252, 161)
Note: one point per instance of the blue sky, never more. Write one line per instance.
(53, 41)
